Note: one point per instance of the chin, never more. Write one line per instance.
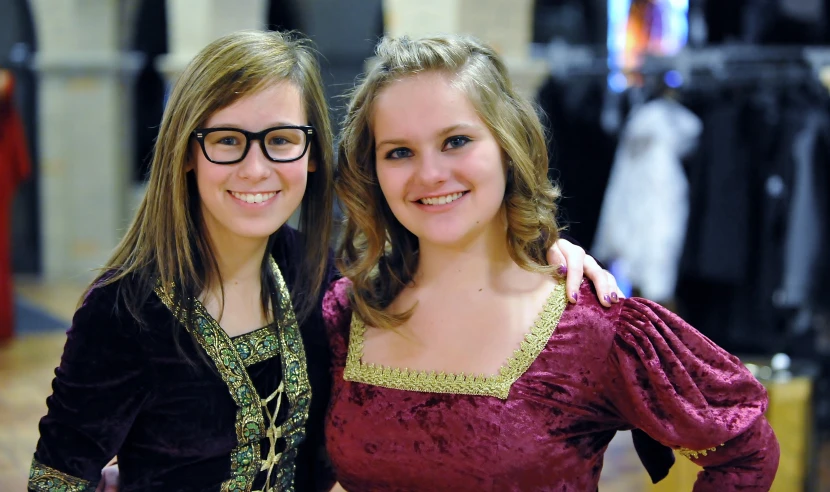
(445, 239)
(258, 231)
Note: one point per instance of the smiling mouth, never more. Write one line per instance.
(253, 197)
(441, 200)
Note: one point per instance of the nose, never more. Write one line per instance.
(255, 166)
(432, 169)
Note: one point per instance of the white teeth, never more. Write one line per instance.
(441, 200)
(253, 197)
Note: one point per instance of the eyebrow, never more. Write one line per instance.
(444, 132)
(269, 125)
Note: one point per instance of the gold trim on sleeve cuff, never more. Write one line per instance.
(45, 479)
(693, 455)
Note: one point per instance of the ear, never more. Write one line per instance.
(312, 165)
(189, 165)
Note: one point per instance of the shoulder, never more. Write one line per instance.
(632, 317)
(127, 306)
(105, 299)
(593, 324)
(635, 324)
(104, 323)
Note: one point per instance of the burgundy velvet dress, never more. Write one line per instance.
(543, 423)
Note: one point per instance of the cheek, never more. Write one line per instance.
(209, 175)
(294, 173)
(485, 168)
(392, 182)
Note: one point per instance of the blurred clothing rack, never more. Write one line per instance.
(725, 63)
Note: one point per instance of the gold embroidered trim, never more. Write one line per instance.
(297, 386)
(257, 346)
(430, 382)
(46, 479)
(250, 425)
(693, 455)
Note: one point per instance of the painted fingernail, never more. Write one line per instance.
(607, 298)
(562, 270)
(575, 297)
(614, 296)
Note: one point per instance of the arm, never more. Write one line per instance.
(685, 392)
(747, 462)
(98, 391)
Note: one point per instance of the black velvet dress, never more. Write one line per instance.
(235, 414)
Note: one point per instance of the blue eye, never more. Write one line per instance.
(228, 141)
(456, 141)
(399, 153)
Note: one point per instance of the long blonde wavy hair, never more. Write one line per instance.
(167, 241)
(377, 253)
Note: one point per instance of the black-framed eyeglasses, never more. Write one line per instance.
(231, 145)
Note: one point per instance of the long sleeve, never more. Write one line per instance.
(97, 392)
(685, 392)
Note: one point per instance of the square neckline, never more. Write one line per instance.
(425, 381)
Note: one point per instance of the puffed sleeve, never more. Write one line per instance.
(97, 392)
(668, 380)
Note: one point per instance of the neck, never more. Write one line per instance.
(239, 260)
(483, 262)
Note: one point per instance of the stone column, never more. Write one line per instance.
(192, 24)
(83, 133)
(507, 25)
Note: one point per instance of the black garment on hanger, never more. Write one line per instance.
(150, 86)
(581, 151)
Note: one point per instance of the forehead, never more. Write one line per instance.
(279, 102)
(422, 103)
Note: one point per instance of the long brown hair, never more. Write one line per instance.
(377, 253)
(166, 241)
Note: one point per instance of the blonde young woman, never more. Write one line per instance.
(198, 356)
(458, 363)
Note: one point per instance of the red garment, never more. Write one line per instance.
(632, 366)
(14, 168)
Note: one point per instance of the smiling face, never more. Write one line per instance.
(255, 197)
(438, 165)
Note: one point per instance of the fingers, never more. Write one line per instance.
(604, 283)
(109, 479)
(574, 263)
(574, 257)
(557, 259)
